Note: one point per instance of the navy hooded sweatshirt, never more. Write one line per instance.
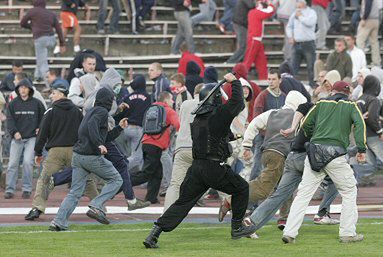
(138, 102)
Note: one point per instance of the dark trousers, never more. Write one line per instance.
(151, 172)
(304, 50)
(119, 161)
(202, 175)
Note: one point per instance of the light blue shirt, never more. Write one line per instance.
(302, 29)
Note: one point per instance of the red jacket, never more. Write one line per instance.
(323, 3)
(163, 141)
(187, 57)
(255, 20)
(241, 72)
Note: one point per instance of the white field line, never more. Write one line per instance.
(145, 229)
(335, 209)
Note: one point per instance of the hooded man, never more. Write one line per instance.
(324, 90)
(42, 22)
(24, 115)
(135, 105)
(358, 90)
(369, 103)
(57, 133)
(192, 76)
(274, 149)
(242, 72)
(210, 75)
(78, 93)
(88, 158)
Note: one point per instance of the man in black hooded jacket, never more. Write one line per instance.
(88, 158)
(370, 105)
(24, 115)
(210, 132)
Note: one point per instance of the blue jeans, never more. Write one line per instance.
(227, 17)
(184, 32)
(103, 5)
(42, 44)
(83, 165)
(119, 162)
(207, 11)
(304, 50)
(18, 147)
(290, 180)
(132, 136)
(257, 163)
(375, 151)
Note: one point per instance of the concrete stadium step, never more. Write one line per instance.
(152, 26)
(141, 45)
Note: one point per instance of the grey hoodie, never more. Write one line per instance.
(110, 80)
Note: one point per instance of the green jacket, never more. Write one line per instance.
(330, 121)
(341, 62)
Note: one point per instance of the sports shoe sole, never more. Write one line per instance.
(93, 215)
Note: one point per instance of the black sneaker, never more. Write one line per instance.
(98, 215)
(8, 195)
(26, 195)
(54, 227)
(152, 240)
(243, 231)
(33, 214)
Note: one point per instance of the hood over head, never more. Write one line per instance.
(104, 98)
(245, 83)
(138, 83)
(332, 76)
(210, 75)
(192, 68)
(39, 3)
(371, 85)
(240, 71)
(364, 72)
(294, 99)
(111, 79)
(285, 67)
(89, 82)
(27, 83)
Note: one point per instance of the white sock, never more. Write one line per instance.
(77, 48)
(132, 201)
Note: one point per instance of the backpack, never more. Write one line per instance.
(154, 122)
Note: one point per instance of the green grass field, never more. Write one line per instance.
(188, 240)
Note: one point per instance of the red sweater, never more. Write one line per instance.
(255, 20)
(163, 141)
(323, 3)
(187, 57)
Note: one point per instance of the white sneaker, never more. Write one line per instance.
(247, 222)
(76, 48)
(56, 50)
(325, 220)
